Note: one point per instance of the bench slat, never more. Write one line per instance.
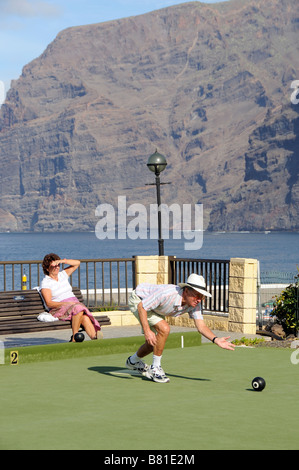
(19, 311)
(35, 324)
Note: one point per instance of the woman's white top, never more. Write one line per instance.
(60, 289)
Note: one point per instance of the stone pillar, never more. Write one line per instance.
(242, 295)
(152, 269)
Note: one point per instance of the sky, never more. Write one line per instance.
(28, 26)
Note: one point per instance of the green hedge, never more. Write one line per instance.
(54, 352)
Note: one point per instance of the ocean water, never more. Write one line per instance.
(276, 251)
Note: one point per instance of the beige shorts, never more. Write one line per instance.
(152, 317)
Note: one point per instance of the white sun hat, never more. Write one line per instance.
(197, 283)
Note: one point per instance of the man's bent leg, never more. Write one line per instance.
(144, 350)
(162, 328)
(155, 372)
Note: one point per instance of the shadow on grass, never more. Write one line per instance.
(124, 373)
(117, 372)
(188, 378)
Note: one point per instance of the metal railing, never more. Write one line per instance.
(103, 282)
(216, 275)
(107, 283)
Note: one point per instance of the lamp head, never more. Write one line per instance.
(156, 163)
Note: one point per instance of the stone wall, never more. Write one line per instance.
(242, 295)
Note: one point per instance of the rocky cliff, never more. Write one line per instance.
(207, 85)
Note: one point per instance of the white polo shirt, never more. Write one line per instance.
(60, 289)
(166, 300)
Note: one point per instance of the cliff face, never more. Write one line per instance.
(207, 85)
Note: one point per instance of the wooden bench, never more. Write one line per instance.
(19, 311)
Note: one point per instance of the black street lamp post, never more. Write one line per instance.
(157, 163)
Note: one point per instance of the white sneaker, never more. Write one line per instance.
(156, 374)
(140, 366)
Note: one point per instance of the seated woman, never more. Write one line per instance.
(59, 297)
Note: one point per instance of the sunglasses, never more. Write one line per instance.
(196, 294)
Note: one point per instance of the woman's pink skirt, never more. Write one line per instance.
(66, 312)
